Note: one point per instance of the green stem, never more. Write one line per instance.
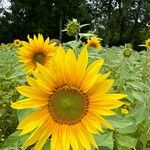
(121, 74)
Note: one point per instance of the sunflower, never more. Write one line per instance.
(37, 51)
(17, 42)
(124, 111)
(94, 42)
(147, 42)
(69, 102)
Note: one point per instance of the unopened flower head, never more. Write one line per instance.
(127, 52)
(73, 27)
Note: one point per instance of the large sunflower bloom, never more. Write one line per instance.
(36, 51)
(94, 42)
(69, 102)
(147, 42)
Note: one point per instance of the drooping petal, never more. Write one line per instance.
(32, 93)
(34, 124)
(72, 138)
(34, 137)
(28, 103)
(82, 137)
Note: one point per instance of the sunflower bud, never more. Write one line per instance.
(124, 111)
(127, 52)
(73, 27)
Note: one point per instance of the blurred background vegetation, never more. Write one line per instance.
(115, 21)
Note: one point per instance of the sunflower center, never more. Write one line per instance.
(93, 44)
(39, 57)
(68, 105)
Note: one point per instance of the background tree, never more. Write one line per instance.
(45, 16)
(116, 21)
(121, 21)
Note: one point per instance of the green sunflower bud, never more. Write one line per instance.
(127, 52)
(73, 27)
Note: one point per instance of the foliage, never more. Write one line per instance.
(8, 94)
(132, 76)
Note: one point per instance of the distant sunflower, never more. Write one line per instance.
(17, 42)
(147, 42)
(124, 111)
(36, 51)
(94, 42)
(70, 99)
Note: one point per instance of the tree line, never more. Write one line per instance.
(116, 21)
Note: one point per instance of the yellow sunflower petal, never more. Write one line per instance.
(65, 139)
(34, 124)
(93, 123)
(91, 76)
(32, 93)
(106, 104)
(54, 138)
(72, 138)
(36, 51)
(81, 135)
(37, 133)
(60, 66)
(28, 103)
(70, 62)
(90, 137)
(102, 112)
(105, 123)
(44, 136)
(81, 64)
(101, 89)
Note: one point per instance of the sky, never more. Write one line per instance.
(5, 4)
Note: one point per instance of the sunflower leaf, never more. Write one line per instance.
(104, 140)
(126, 141)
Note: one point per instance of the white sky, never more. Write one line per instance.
(5, 4)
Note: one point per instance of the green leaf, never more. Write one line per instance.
(119, 122)
(23, 113)
(140, 113)
(47, 145)
(128, 129)
(104, 140)
(137, 96)
(14, 141)
(126, 141)
(120, 147)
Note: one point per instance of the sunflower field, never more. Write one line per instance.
(75, 95)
